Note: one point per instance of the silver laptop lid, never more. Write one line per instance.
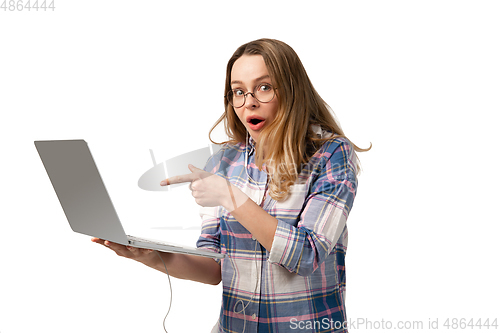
(80, 189)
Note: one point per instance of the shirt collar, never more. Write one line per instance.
(250, 145)
(317, 130)
(251, 142)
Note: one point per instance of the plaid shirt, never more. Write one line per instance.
(298, 286)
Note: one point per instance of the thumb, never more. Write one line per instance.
(193, 168)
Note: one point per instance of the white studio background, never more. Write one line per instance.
(418, 79)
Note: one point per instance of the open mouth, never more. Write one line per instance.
(255, 123)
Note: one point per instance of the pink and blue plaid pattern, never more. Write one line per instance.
(299, 285)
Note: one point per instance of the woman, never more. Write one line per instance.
(276, 198)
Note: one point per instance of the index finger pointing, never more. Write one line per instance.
(179, 179)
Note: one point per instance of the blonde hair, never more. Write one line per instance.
(289, 139)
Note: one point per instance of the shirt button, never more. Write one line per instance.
(254, 316)
(253, 238)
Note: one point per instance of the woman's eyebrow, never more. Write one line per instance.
(260, 78)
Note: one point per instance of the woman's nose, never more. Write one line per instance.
(250, 101)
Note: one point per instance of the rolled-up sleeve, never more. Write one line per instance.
(210, 231)
(210, 227)
(302, 247)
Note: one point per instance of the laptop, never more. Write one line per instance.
(85, 200)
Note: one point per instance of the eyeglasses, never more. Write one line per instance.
(264, 93)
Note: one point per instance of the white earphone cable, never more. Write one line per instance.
(170, 285)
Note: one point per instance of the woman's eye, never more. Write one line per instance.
(238, 92)
(265, 87)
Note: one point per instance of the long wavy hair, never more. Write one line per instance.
(289, 139)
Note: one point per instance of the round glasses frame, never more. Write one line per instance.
(229, 95)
